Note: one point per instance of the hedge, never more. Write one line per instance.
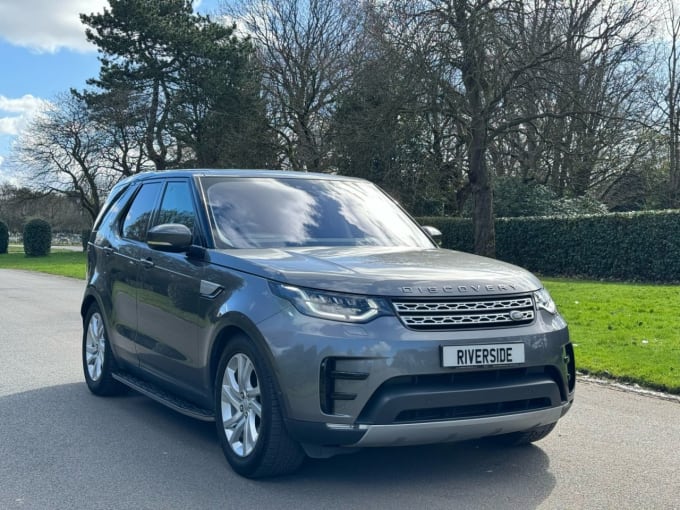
(641, 246)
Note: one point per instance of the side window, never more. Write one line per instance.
(177, 205)
(136, 220)
(114, 202)
(106, 223)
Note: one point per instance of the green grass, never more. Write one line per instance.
(59, 261)
(624, 331)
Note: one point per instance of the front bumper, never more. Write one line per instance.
(381, 384)
(388, 431)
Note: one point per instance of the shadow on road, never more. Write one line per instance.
(61, 447)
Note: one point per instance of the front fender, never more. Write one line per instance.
(237, 311)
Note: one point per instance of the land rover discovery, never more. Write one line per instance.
(309, 315)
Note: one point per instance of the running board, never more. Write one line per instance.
(167, 399)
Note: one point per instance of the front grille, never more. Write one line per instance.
(456, 313)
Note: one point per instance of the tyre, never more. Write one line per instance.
(98, 362)
(248, 415)
(525, 437)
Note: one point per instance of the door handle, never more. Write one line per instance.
(108, 251)
(147, 263)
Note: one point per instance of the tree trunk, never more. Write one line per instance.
(482, 192)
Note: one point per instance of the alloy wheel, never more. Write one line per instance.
(95, 347)
(241, 405)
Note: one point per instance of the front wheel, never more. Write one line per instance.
(98, 362)
(249, 422)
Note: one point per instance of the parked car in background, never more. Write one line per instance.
(309, 315)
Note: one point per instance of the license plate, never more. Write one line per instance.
(482, 355)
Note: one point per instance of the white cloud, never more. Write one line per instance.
(9, 125)
(15, 115)
(26, 103)
(45, 25)
(23, 108)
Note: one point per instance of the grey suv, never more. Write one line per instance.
(310, 315)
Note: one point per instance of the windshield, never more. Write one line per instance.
(279, 212)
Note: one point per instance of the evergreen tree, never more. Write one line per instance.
(188, 82)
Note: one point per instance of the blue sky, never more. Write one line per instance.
(43, 52)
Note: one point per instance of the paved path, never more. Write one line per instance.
(62, 448)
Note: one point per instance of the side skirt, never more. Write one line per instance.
(167, 399)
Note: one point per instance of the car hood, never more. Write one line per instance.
(382, 271)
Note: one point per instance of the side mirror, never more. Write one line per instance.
(434, 233)
(170, 237)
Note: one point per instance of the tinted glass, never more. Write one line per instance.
(177, 205)
(112, 205)
(137, 218)
(108, 225)
(269, 212)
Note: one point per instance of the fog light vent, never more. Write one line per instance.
(329, 375)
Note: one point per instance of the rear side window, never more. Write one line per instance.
(112, 206)
(136, 221)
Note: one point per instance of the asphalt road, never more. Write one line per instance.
(63, 448)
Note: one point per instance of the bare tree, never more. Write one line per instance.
(304, 48)
(585, 115)
(117, 119)
(60, 152)
(391, 124)
(66, 150)
(493, 56)
(671, 102)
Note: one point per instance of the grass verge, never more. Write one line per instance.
(60, 262)
(627, 332)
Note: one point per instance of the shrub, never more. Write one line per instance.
(37, 238)
(4, 237)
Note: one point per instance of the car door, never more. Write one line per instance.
(122, 249)
(168, 301)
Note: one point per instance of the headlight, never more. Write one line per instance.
(331, 306)
(544, 301)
